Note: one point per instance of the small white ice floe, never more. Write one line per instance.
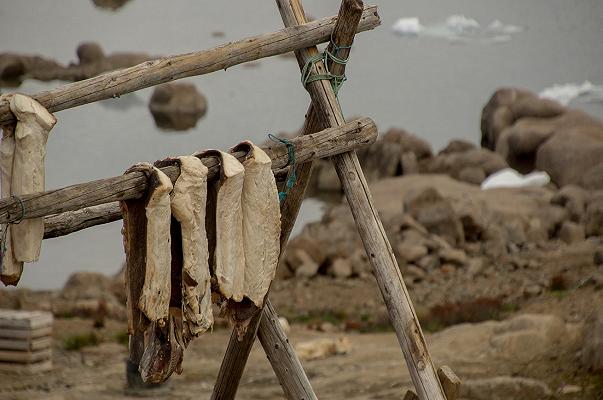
(509, 178)
(457, 28)
(566, 93)
(407, 26)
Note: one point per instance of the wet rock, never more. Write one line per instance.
(571, 232)
(341, 268)
(89, 53)
(177, 106)
(592, 348)
(112, 5)
(505, 387)
(436, 214)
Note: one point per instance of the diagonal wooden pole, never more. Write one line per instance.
(401, 312)
(281, 355)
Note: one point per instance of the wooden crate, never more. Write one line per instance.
(25, 341)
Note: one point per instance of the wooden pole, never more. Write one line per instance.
(379, 251)
(283, 359)
(133, 185)
(155, 72)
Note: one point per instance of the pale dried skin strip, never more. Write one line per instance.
(261, 223)
(11, 268)
(155, 298)
(229, 257)
(28, 172)
(188, 202)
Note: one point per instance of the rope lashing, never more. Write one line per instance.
(336, 80)
(291, 177)
(5, 230)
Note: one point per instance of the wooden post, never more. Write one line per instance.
(379, 251)
(134, 184)
(285, 363)
(155, 72)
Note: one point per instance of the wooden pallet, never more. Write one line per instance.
(25, 341)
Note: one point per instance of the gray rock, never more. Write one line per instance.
(429, 262)
(436, 214)
(505, 388)
(574, 199)
(177, 106)
(89, 53)
(594, 215)
(341, 268)
(571, 232)
(454, 256)
(474, 175)
(457, 146)
(409, 252)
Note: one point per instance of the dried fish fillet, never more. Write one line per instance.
(34, 123)
(188, 202)
(229, 257)
(155, 297)
(261, 222)
(11, 270)
(163, 352)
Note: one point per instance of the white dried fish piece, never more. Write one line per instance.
(188, 202)
(154, 301)
(261, 222)
(34, 123)
(11, 268)
(229, 257)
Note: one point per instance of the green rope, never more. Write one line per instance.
(336, 80)
(291, 178)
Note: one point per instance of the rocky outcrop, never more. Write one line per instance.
(533, 133)
(92, 61)
(177, 106)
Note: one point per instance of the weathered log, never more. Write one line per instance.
(295, 385)
(372, 233)
(133, 185)
(451, 383)
(73, 221)
(151, 73)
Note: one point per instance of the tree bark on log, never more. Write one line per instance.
(134, 184)
(372, 233)
(155, 72)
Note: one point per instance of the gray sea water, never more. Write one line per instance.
(429, 85)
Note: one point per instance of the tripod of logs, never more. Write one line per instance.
(325, 133)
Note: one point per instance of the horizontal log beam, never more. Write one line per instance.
(133, 185)
(155, 72)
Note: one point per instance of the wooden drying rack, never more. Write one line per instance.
(324, 134)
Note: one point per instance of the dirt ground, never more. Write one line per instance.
(374, 367)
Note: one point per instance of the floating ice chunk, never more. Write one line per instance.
(509, 178)
(457, 28)
(565, 93)
(497, 26)
(460, 24)
(407, 26)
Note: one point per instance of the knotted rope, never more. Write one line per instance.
(291, 177)
(336, 80)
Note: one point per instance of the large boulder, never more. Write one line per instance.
(177, 106)
(535, 133)
(471, 165)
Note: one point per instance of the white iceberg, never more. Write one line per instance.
(566, 93)
(509, 178)
(407, 26)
